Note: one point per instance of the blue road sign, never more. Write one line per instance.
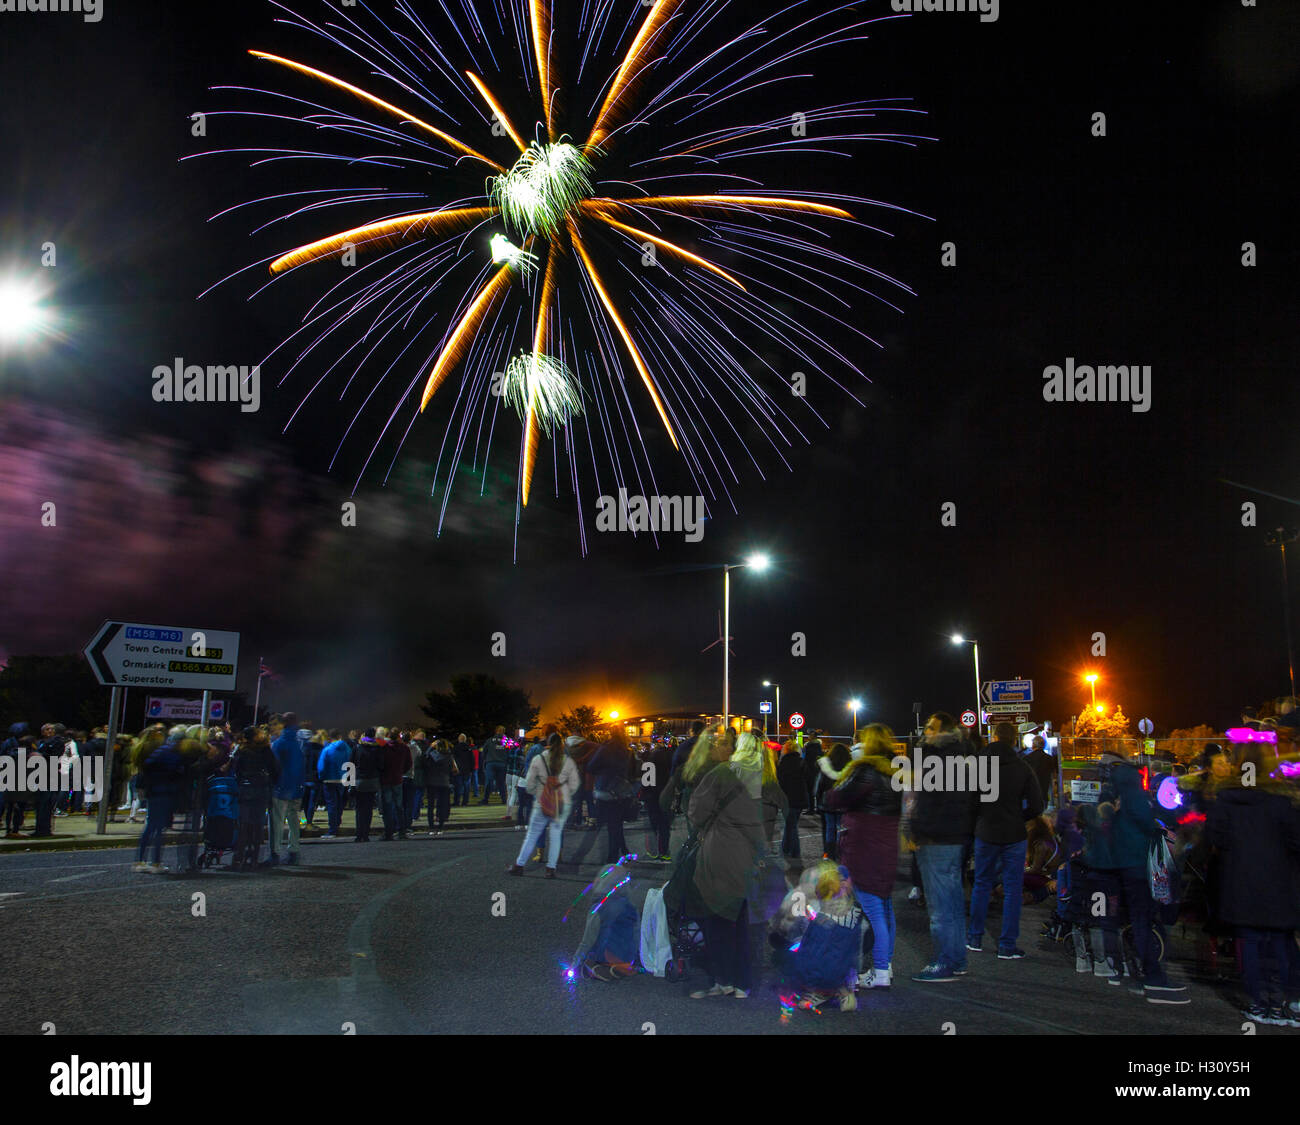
(765, 707)
(1009, 691)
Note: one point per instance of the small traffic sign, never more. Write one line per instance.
(1005, 708)
(992, 718)
(968, 718)
(796, 721)
(1146, 726)
(765, 707)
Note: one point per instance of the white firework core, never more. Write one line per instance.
(547, 383)
(542, 187)
(506, 252)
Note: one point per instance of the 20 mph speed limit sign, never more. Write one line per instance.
(968, 718)
(796, 721)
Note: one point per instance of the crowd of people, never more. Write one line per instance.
(724, 807)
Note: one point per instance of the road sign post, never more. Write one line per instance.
(106, 776)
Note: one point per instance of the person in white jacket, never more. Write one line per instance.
(552, 780)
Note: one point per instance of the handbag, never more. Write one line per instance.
(683, 876)
(1159, 862)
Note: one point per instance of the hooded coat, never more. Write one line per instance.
(945, 817)
(731, 844)
(1256, 832)
(868, 841)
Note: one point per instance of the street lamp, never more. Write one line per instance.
(757, 562)
(958, 639)
(855, 705)
(1091, 677)
(1280, 537)
(772, 683)
(21, 315)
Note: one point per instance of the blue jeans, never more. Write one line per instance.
(413, 802)
(538, 823)
(831, 833)
(945, 900)
(494, 774)
(156, 824)
(884, 928)
(333, 804)
(391, 810)
(1009, 859)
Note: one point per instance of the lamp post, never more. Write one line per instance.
(773, 683)
(1091, 677)
(758, 562)
(958, 639)
(854, 706)
(1280, 538)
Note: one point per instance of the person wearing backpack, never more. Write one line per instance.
(552, 780)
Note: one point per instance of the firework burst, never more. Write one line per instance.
(572, 249)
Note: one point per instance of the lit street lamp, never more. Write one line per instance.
(855, 705)
(759, 563)
(1091, 677)
(958, 639)
(772, 683)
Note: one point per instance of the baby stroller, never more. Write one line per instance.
(221, 821)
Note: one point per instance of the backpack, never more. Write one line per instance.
(551, 795)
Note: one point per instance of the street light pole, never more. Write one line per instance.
(726, 647)
(979, 702)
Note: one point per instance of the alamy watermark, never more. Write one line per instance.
(935, 772)
(193, 383)
(1104, 383)
(988, 9)
(657, 513)
(25, 772)
(92, 11)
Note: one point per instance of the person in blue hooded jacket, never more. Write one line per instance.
(287, 795)
(163, 775)
(329, 768)
(1121, 853)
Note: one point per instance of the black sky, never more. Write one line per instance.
(1072, 519)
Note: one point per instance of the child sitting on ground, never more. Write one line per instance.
(817, 935)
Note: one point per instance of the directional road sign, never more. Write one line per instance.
(1008, 691)
(126, 654)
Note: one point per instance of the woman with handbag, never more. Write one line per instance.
(730, 806)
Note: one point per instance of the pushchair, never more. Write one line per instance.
(221, 819)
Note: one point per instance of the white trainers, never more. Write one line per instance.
(880, 978)
(1083, 964)
(913, 894)
(157, 869)
(139, 867)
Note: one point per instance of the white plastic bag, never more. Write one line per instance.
(656, 949)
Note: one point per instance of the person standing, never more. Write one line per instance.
(396, 761)
(419, 743)
(943, 823)
(50, 748)
(552, 780)
(1043, 767)
(494, 766)
(162, 775)
(436, 770)
(1255, 832)
(614, 770)
(287, 749)
(657, 768)
(370, 764)
(830, 769)
(256, 773)
(334, 756)
(871, 806)
(311, 790)
(1001, 843)
(464, 754)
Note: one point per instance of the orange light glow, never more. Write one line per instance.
(456, 343)
(384, 233)
(496, 109)
(671, 247)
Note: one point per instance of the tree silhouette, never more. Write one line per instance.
(476, 705)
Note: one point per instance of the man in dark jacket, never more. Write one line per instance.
(494, 766)
(790, 776)
(943, 821)
(369, 761)
(1043, 766)
(1256, 831)
(397, 760)
(51, 748)
(1001, 842)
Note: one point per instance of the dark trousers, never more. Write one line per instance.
(441, 797)
(494, 778)
(726, 944)
(334, 796)
(1135, 892)
(1267, 986)
(156, 823)
(414, 799)
(14, 812)
(790, 837)
(310, 799)
(44, 815)
(660, 822)
(391, 810)
(462, 789)
(612, 813)
(365, 813)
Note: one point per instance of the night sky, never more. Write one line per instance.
(1071, 518)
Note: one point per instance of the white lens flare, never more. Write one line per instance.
(21, 315)
(505, 252)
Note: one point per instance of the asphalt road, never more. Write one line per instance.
(401, 937)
